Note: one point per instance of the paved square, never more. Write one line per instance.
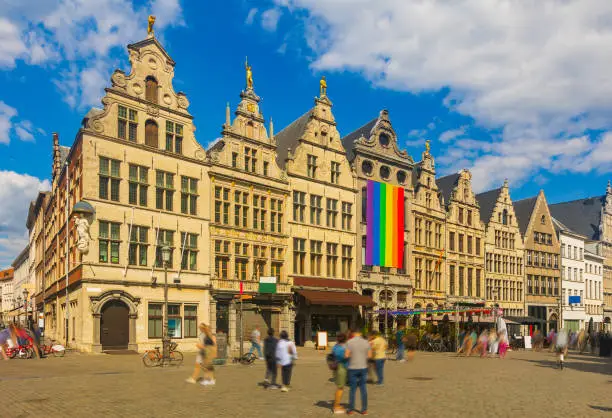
(433, 385)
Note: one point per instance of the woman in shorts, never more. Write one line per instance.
(339, 352)
(207, 346)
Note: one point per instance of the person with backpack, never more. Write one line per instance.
(270, 344)
(286, 353)
(339, 363)
(400, 339)
(358, 352)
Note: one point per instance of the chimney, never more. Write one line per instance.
(57, 164)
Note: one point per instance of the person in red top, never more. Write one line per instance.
(25, 339)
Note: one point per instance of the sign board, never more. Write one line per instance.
(574, 300)
(321, 340)
(267, 284)
(527, 341)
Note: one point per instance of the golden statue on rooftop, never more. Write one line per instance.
(151, 23)
(427, 146)
(249, 74)
(323, 84)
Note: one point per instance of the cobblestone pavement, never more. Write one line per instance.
(433, 385)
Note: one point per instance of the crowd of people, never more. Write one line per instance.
(488, 342)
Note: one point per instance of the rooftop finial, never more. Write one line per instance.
(323, 85)
(151, 22)
(609, 190)
(249, 74)
(227, 115)
(427, 146)
(271, 129)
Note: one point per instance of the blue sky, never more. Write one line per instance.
(519, 92)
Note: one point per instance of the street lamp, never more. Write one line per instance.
(386, 283)
(18, 309)
(165, 252)
(25, 305)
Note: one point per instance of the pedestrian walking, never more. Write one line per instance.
(8, 337)
(502, 338)
(286, 354)
(411, 344)
(207, 351)
(358, 351)
(379, 354)
(341, 363)
(256, 342)
(400, 339)
(561, 346)
(270, 344)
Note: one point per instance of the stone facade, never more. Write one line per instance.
(137, 163)
(6, 294)
(542, 268)
(465, 244)
(374, 154)
(572, 278)
(605, 237)
(593, 288)
(504, 252)
(428, 218)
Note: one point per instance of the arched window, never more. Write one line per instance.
(151, 89)
(505, 217)
(543, 220)
(151, 138)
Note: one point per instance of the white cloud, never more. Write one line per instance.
(16, 193)
(451, 134)
(537, 71)
(270, 18)
(82, 36)
(251, 16)
(23, 129)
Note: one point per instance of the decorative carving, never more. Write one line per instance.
(82, 227)
(118, 79)
(182, 101)
(152, 110)
(200, 155)
(152, 64)
(137, 88)
(167, 99)
(214, 156)
(98, 126)
(283, 175)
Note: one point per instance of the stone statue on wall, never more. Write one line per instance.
(82, 227)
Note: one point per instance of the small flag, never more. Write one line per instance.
(439, 262)
(267, 285)
(241, 288)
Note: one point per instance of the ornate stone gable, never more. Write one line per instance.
(541, 218)
(321, 126)
(146, 97)
(382, 140)
(462, 195)
(605, 226)
(504, 203)
(426, 190)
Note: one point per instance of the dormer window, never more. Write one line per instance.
(151, 89)
(383, 139)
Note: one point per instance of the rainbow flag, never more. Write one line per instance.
(385, 225)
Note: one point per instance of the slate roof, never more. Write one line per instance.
(289, 137)
(487, 201)
(582, 216)
(446, 185)
(348, 140)
(523, 210)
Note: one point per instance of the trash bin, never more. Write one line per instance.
(221, 348)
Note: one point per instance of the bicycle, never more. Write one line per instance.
(246, 359)
(21, 351)
(54, 348)
(154, 358)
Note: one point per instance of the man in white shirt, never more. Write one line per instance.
(256, 341)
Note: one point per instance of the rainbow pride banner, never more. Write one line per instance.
(385, 225)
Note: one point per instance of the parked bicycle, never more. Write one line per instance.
(54, 348)
(429, 344)
(155, 357)
(21, 351)
(246, 359)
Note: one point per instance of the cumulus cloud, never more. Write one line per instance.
(16, 193)
(85, 37)
(251, 16)
(9, 124)
(269, 19)
(536, 71)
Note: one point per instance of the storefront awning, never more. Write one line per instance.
(320, 297)
(525, 320)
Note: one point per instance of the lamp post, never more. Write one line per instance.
(25, 306)
(386, 283)
(18, 309)
(165, 340)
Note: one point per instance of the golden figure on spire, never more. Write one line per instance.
(151, 23)
(427, 146)
(249, 74)
(323, 84)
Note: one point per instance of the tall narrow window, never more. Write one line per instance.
(189, 251)
(189, 195)
(312, 166)
(174, 137)
(315, 257)
(138, 185)
(332, 259)
(299, 206)
(139, 244)
(335, 172)
(451, 289)
(164, 238)
(151, 134)
(155, 319)
(127, 123)
(222, 205)
(191, 321)
(276, 215)
(332, 212)
(164, 190)
(299, 255)
(266, 165)
(151, 89)
(109, 179)
(347, 261)
(347, 215)
(109, 239)
(221, 259)
(234, 160)
(315, 209)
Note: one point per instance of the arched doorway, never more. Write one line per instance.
(114, 325)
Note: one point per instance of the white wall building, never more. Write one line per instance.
(572, 277)
(6, 294)
(593, 293)
(21, 280)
